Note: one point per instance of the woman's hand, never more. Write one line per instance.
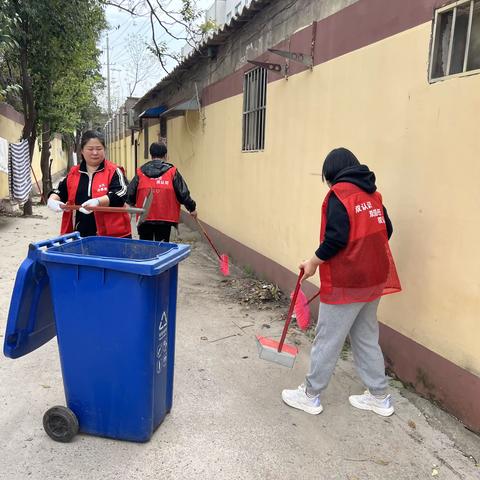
(93, 202)
(54, 203)
(194, 214)
(310, 267)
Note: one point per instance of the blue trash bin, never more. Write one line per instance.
(112, 304)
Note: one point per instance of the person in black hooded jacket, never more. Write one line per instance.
(338, 226)
(356, 270)
(170, 191)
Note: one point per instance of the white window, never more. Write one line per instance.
(229, 16)
(237, 8)
(254, 109)
(456, 40)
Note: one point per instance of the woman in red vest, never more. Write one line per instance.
(95, 182)
(356, 269)
(169, 192)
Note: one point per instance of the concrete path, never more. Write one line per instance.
(228, 420)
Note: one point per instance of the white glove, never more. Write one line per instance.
(93, 202)
(55, 205)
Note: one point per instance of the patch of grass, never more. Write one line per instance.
(249, 271)
(345, 351)
(275, 292)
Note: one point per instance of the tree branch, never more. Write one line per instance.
(125, 9)
(159, 53)
(168, 14)
(167, 31)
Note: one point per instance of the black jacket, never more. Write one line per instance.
(154, 169)
(338, 225)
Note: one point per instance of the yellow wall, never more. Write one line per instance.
(153, 136)
(60, 159)
(122, 153)
(422, 142)
(12, 131)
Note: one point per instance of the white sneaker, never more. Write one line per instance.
(367, 401)
(299, 399)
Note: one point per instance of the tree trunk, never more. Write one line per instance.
(30, 115)
(45, 159)
(78, 147)
(69, 144)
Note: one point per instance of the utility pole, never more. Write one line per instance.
(109, 105)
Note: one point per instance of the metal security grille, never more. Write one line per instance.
(456, 40)
(254, 109)
(146, 145)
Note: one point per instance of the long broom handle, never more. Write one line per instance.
(38, 186)
(290, 310)
(106, 209)
(313, 298)
(208, 238)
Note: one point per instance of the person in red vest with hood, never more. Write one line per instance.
(169, 192)
(356, 269)
(94, 182)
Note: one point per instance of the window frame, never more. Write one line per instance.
(146, 146)
(438, 12)
(254, 125)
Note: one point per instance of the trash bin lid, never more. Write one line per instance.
(31, 320)
(140, 257)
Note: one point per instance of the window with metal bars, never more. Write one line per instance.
(254, 109)
(146, 145)
(163, 127)
(456, 40)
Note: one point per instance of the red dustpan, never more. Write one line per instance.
(279, 352)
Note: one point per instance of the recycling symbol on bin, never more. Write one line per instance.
(162, 328)
(162, 343)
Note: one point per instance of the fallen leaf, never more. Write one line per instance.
(412, 424)
(381, 462)
(434, 472)
(46, 386)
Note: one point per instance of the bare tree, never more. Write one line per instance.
(176, 19)
(140, 62)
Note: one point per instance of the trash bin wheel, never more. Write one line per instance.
(60, 423)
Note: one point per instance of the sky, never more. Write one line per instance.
(122, 26)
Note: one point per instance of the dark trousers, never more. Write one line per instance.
(159, 232)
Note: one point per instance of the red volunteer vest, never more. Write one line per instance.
(364, 270)
(108, 224)
(165, 206)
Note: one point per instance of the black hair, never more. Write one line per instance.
(337, 160)
(89, 134)
(158, 150)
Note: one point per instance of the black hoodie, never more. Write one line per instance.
(154, 169)
(338, 225)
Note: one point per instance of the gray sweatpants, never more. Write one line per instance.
(335, 322)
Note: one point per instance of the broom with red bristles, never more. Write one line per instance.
(302, 309)
(223, 259)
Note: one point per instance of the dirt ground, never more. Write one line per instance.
(228, 420)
